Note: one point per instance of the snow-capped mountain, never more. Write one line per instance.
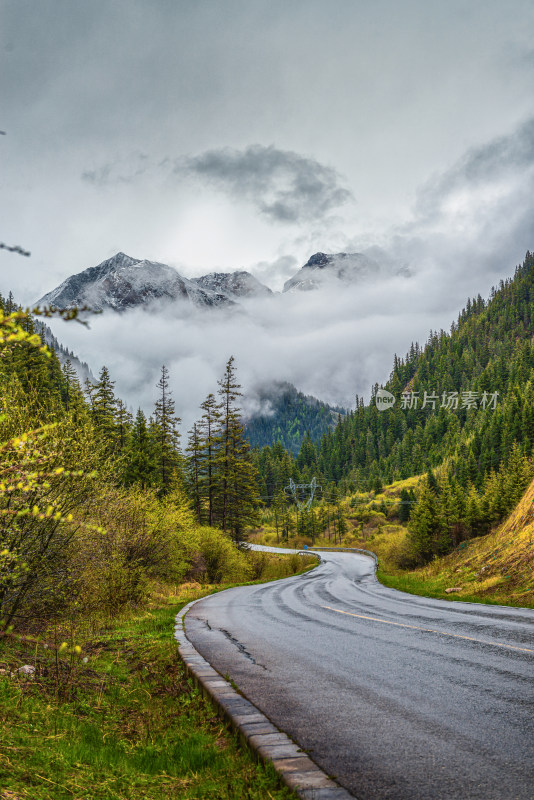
(323, 268)
(123, 282)
(234, 285)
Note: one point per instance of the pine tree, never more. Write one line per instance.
(71, 383)
(166, 433)
(242, 485)
(279, 506)
(209, 436)
(404, 510)
(194, 470)
(425, 522)
(124, 424)
(140, 463)
(104, 407)
(237, 494)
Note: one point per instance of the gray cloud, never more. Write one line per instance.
(474, 227)
(471, 225)
(388, 93)
(493, 162)
(120, 171)
(283, 185)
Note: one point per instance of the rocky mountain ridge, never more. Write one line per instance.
(122, 282)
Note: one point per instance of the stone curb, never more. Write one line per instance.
(255, 730)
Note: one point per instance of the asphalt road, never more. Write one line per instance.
(397, 696)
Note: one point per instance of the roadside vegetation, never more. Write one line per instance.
(104, 535)
(110, 714)
(455, 453)
(497, 567)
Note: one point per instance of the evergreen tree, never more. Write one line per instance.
(71, 383)
(279, 506)
(104, 405)
(194, 470)
(140, 462)
(124, 424)
(425, 522)
(167, 438)
(209, 443)
(404, 511)
(237, 494)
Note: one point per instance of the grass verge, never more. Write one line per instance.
(414, 583)
(471, 586)
(118, 720)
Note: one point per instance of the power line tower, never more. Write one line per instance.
(297, 490)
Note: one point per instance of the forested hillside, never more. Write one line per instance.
(287, 415)
(463, 413)
(490, 349)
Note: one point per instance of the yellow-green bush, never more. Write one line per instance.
(141, 537)
(219, 560)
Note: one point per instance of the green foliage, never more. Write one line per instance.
(92, 503)
(166, 436)
(446, 513)
(425, 522)
(222, 475)
(220, 560)
(141, 537)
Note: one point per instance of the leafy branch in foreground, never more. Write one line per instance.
(45, 473)
(12, 331)
(36, 523)
(66, 314)
(14, 248)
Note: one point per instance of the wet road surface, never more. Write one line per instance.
(396, 696)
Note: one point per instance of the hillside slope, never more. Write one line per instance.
(479, 381)
(498, 567)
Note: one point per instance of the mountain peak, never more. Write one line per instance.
(318, 260)
(325, 267)
(123, 282)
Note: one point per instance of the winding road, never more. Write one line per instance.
(396, 696)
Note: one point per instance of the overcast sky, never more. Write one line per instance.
(250, 134)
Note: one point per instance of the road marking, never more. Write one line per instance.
(430, 630)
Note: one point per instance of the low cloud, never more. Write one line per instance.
(471, 225)
(331, 344)
(275, 273)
